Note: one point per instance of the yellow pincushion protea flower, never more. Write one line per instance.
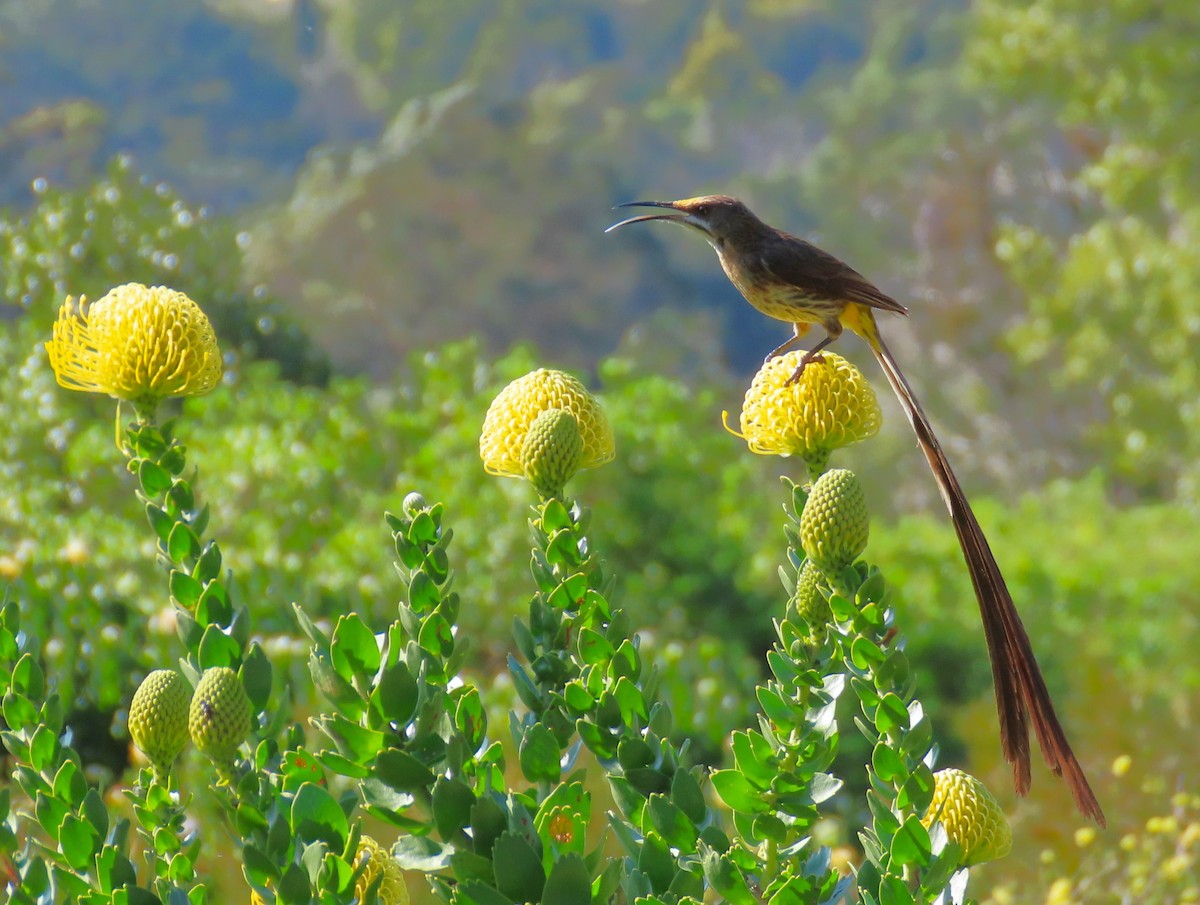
(832, 405)
(137, 343)
(970, 815)
(502, 443)
(378, 862)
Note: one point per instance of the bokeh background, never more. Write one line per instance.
(391, 208)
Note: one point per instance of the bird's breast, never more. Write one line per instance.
(782, 301)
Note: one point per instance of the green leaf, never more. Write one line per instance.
(184, 589)
(423, 529)
(218, 649)
(182, 543)
(518, 867)
(423, 594)
(737, 792)
(593, 647)
(888, 764)
(354, 741)
(421, 853)
(656, 862)
(208, 565)
(470, 718)
(911, 844)
(540, 755)
(891, 714)
(631, 702)
(43, 749)
(256, 676)
(153, 478)
(476, 892)
(688, 797)
(600, 741)
(113, 869)
(569, 882)
(894, 891)
(774, 707)
(488, 821)
(316, 816)
(754, 758)
(917, 791)
(69, 785)
(160, 523)
(452, 803)
(396, 694)
(93, 811)
(294, 887)
(213, 606)
(671, 823)
(77, 839)
(727, 879)
(436, 635)
(400, 770)
(865, 653)
(354, 650)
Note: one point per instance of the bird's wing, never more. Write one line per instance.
(802, 264)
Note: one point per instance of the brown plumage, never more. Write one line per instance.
(794, 281)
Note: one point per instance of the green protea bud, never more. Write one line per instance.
(219, 719)
(552, 451)
(810, 602)
(834, 524)
(970, 815)
(413, 503)
(158, 718)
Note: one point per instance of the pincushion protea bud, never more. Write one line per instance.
(970, 815)
(136, 343)
(810, 602)
(158, 718)
(834, 525)
(377, 862)
(832, 405)
(219, 718)
(512, 414)
(552, 451)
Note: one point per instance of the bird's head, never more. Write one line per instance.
(718, 217)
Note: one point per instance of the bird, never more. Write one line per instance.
(792, 280)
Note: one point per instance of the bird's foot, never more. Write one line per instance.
(809, 358)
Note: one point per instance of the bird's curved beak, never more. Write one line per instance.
(683, 218)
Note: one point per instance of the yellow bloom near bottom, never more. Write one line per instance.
(137, 343)
(379, 863)
(970, 816)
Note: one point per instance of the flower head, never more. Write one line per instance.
(375, 862)
(835, 525)
(970, 816)
(136, 343)
(830, 406)
(158, 717)
(514, 412)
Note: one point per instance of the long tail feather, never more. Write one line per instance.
(1021, 693)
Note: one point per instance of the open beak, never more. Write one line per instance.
(669, 205)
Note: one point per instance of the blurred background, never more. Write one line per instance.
(391, 208)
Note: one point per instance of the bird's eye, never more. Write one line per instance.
(702, 210)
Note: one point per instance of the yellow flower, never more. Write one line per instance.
(830, 406)
(392, 889)
(513, 412)
(970, 816)
(1060, 892)
(137, 343)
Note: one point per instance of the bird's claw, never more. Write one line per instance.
(808, 359)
